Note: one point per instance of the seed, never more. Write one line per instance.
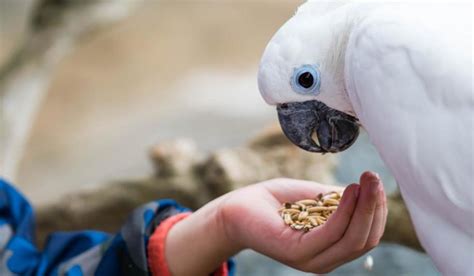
(315, 214)
(302, 207)
(297, 226)
(302, 215)
(306, 214)
(313, 221)
(331, 201)
(291, 211)
(287, 219)
(331, 195)
(307, 202)
(295, 206)
(321, 218)
(317, 209)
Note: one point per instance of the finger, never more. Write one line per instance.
(385, 209)
(361, 223)
(376, 230)
(323, 237)
(355, 237)
(378, 223)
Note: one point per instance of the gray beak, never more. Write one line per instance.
(335, 130)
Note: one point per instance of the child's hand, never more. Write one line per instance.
(250, 217)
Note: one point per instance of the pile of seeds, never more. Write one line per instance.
(309, 213)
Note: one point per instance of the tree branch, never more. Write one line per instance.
(182, 174)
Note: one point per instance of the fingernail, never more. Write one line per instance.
(377, 176)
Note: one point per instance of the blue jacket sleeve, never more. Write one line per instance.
(81, 252)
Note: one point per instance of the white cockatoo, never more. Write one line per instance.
(404, 73)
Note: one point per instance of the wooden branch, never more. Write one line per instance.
(399, 228)
(54, 30)
(108, 207)
(191, 180)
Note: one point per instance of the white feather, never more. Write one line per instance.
(409, 78)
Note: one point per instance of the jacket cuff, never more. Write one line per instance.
(156, 248)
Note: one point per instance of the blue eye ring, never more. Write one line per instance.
(306, 80)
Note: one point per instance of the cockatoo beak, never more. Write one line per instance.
(335, 130)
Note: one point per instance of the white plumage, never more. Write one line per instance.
(406, 74)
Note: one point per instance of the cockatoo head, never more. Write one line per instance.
(302, 73)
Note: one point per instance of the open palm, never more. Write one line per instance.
(356, 227)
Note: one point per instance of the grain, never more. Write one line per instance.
(302, 215)
(306, 214)
(307, 202)
(287, 219)
(330, 201)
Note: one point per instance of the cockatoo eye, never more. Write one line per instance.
(306, 80)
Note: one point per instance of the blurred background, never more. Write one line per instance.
(152, 71)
